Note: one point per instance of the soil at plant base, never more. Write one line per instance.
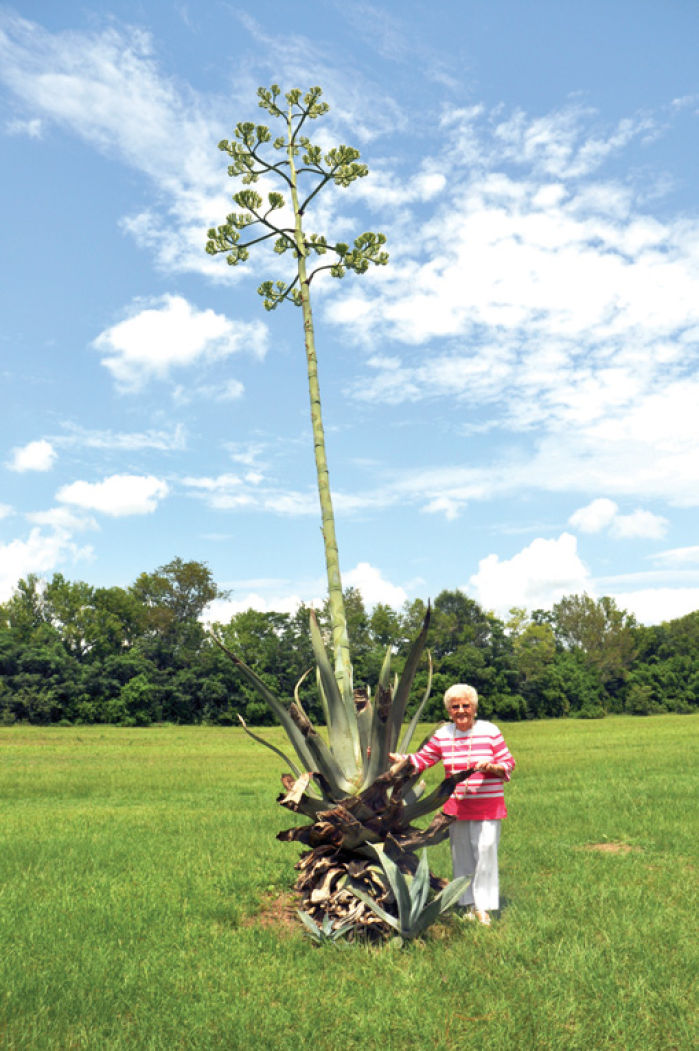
(278, 913)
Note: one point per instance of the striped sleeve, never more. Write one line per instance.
(501, 755)
(428, 755)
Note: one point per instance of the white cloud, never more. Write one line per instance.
(62, 519)
(6, 510)
(168, 441)
(36, 456)
(604, 379)
(536, 577)
(117, 495)
(221, 610)
(603, 513)
(106, 87)
(546, 570)
(360, 105)
(678, 556)
(233, 492)
(595, 516)
(293, 503)
(556, 144)
(32, 128)
(38, 553)
(445, 505)
(285, 596)
(373, 586)
(229, 390)
(654, 605)
(612, 456)
(639, 524)
(171, 333)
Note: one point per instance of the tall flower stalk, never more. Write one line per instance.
(251, 161)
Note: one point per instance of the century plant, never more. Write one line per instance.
(362, 804)
(357, 799)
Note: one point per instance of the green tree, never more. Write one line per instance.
(470, 645)
(386, 625)
(602, 632)
(24, 610)
(303, 170)
(172, 599)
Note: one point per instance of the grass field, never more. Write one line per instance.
(139, 874)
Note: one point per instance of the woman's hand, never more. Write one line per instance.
(484, 767)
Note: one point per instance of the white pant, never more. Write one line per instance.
(474, 853)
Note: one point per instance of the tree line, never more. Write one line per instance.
(73, 653)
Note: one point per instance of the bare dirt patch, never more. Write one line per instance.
(612, 848)
(278, 913)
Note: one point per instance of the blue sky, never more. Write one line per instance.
(511, 405)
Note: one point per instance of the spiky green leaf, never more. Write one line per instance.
(406, 681)
(419, 889)
(342, 719)
(260, 740)
(407, 737)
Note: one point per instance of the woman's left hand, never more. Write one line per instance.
(484, 767)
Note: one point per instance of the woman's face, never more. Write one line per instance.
(463, 712)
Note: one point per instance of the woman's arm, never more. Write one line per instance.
(501, 764)
(428, 755)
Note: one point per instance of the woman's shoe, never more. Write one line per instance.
(482, 917)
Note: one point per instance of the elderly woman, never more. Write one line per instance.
(478, 803)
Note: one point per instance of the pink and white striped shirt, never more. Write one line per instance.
(481, 796)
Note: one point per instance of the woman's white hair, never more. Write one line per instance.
(461, 689)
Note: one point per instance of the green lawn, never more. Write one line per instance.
(133, 860)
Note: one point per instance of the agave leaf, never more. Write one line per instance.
(343, 929)
(260, 740)
(387, 917)
(273, 703)
(408, 735)
(437, 830)
(412, 920)
(322, 759)
(443, 901)
(323, 698)
(297, 687)
(375, 755)
(398, 884)
(342, 720)
(309, 806)
(415, 793)
(308, 921)
(377, 761)
(419, 890)
(436, 798)
(296, 792)
(365, 717)
(313, 929)
(385, 673)
(406, 681)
